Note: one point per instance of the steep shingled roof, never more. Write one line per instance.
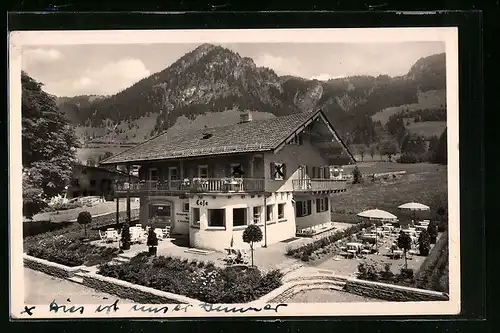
(253, 136)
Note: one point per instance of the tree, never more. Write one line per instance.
(84, 218)
(372, 150)
(441, 156)
(404, 242)
(361, 151)
(388, 147)
(32, 199)
(433, 232)
(424, 244)
(251, 235)
(357, 177)
(152, 241)
(126, 237)
(48, 145)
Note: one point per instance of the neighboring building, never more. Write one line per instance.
(93, 181)
(209, 184)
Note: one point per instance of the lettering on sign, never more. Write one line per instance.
(201, 202)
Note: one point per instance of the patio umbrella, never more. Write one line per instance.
(231, 243)
(377, 214)
(414, 206)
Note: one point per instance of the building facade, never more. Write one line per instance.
(281, 174)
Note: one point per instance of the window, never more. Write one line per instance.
(269, 213)
(196, 217)
(303, 208)
(216, 217)
(186, 207)
(321, 173)
(239, 217)
(281, 211)
(237, 170)
(203, 171)
(153, 174)
(321, 205)
(92, 182)
(160, 210)
(257, 214)
(172, 173)
(75, 182)
(76, 194)
(278, 171)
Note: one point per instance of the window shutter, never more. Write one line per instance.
(298, 208)
(314, 172)
(272, 170)
(318, 204)
(327, 172)
(284, 170)
(327, 200)
(307, 170)
(308, 207)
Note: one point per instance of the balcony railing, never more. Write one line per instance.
(304, 185)
(195, 185)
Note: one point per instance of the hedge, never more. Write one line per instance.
(195, 279)
(433, 273)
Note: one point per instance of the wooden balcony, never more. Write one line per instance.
(196, 185)
(319, 185)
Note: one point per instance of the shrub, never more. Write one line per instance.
(212, 285)
(84, 218)
(408, 159)
(357, 177)
(433, 273)
(367, 271)
(433, 232)
(424, 244)
(126, 237)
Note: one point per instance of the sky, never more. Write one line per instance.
(71, 70)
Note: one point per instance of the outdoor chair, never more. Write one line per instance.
(112, 236)
(159, 233)
(166, 232)
(102, 236)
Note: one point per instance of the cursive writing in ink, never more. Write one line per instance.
(28, 310)
(156, 309)
(219, 308)
(108, 308)
(54, 307)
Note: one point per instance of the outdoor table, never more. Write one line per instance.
(397, 253)
(353, 252)
(366, 252)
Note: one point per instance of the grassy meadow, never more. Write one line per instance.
(421, 184)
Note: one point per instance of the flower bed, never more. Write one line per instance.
(326, 245)
(74, 230)
(195, 279)
(71, 252)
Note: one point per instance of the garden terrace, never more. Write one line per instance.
(195, 279)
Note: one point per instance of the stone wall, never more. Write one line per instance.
(51, 268)
(392, 292)
(134, 292)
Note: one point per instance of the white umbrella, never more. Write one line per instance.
(377, 214)
(414, 206)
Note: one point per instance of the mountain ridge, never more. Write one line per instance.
(212, 79)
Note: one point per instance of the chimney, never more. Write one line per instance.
(245, 117)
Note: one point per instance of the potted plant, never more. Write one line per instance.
(152, 241)
(126, 237)
(251, 235)
(84, 218)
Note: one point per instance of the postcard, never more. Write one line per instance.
(209, 173)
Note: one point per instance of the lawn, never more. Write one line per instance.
(428, 128)
(422, 183)
(381, 167)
